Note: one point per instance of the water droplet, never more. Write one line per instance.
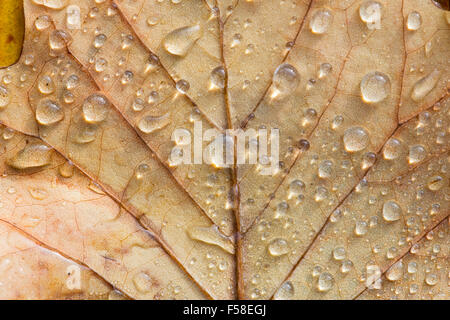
(285, 292)
(326, 282)
(95, 108)
(285, 80)
(370, 14)
(217, 78)
(436, 183)
(424, 85)
(355, 139)
(182, 86)
(361, 228)
(33, 155)
(48, 112)
(391, 211)
(99, 40)
(375, 87)
(149, 124)
(296, 187)
(100, 64)
(431, 279)
(179, 41)
(58, 39)
(66, 170)
(8, 133)
(324, 70)
(412, 267)
(42, 22)
(142, 282)
(339, 253)
(73, 17)
(417, 153)
(392, 149)
(346, 266)
(395, 272)
(38, 194)
(53, 4)
(368, 160)
(321, 21)
(325, 169)
(414, 21)
(278, 247)
(126, 77)
(4, 97)
(46, 85)
(212, 235)
(72, 82)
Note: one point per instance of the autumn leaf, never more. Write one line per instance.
(351, 203)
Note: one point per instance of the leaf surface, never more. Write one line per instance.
(356, 206)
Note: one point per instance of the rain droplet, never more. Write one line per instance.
(395, 272)
(436, 183)
(370, 14)
(391, 211)
(278, 247)
(355, 139)
(414, 21)
(375, 87)
(66, 170)
(46, 85)
(4, 97)
(325, 169)
(217, 78)
(417, 153)
(392, 149)
(179, 41)
(321, 21)
(53, 4)
(339, 253)
(324, 70)
(212, 235)
(42, 22)
(95, 108)
(149, 124)
(182, 86)
(285, 80)
(285, 292)
(142, 282)
(326, 282)
(361, 228)
(33, 155)
(73, 17)
(431, 279)
(48, 112)
(424, 85)
(58, 39)
(99, 40)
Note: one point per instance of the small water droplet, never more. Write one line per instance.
(285, 292)
(182, 86)
(217, 78)
(370, 14)
(392, 149)
(4, 97)
(212, 235)
(324, 70)
(417, 153)
(326, 282)
(46, 85)
(42, 22)
(278, 247)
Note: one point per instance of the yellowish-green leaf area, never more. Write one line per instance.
(94, 204)
(12, 29)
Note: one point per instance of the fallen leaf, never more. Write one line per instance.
(94, 113)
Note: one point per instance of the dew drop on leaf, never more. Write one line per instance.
(179, 41)
(375, 87)
(95, 108)
(48, 112)
(355, 139)
(321, 21)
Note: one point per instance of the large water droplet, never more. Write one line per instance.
(391, 211)
(149, 124)
(375, 87)
(179, 41)
(58, 39)
(285, 80)
(33, 155)
(73, 17)
(321, 21)
(42, 22)
(414, 21)
(424, 85)
(278, 247)
(48, 112)
(95, 108)
(53, 4)
(212, 235)
(355, 139)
